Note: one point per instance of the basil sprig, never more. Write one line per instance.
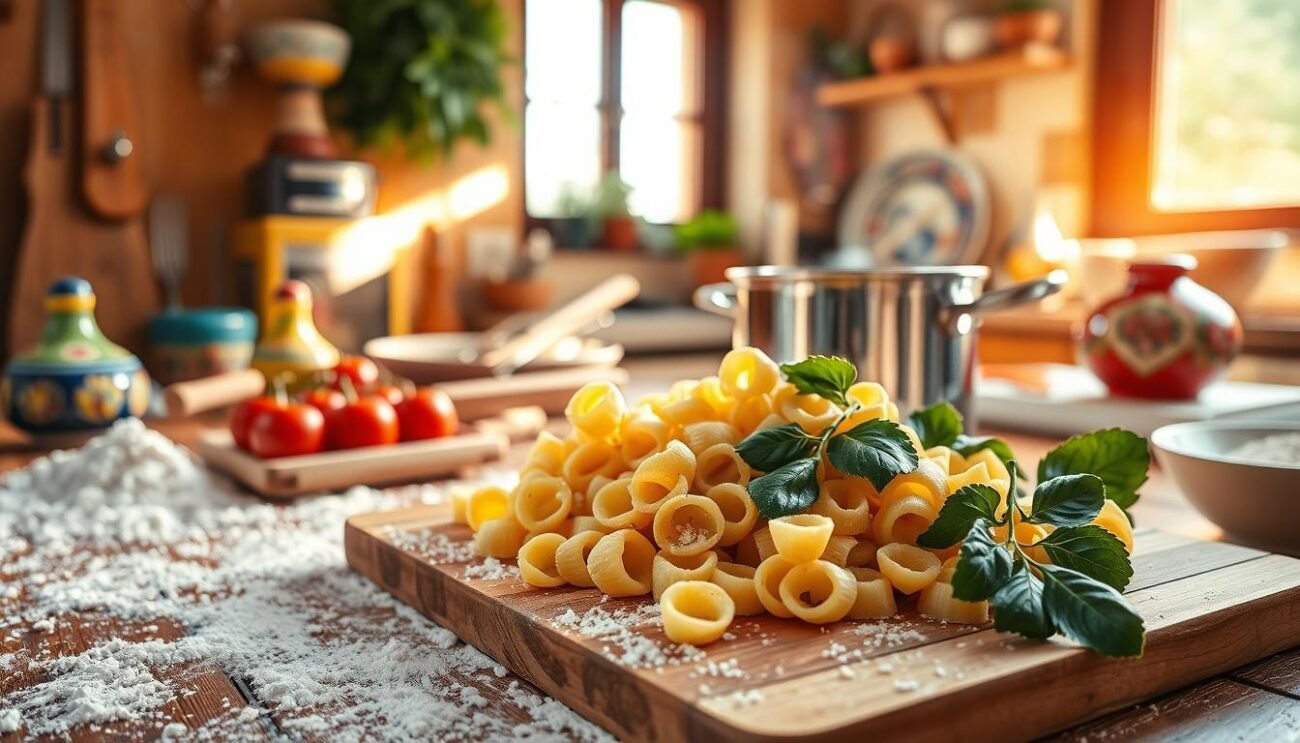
(1075, 591)
(877, 450)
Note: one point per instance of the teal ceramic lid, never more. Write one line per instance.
(197, 327)
(71, 340)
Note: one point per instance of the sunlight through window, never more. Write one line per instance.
(1227, 123)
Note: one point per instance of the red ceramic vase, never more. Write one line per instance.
(1165, 337)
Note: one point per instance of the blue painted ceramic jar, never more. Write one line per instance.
(75, 379)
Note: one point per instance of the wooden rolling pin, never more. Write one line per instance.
(185, 399)
(475, 399)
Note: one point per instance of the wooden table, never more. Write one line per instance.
(1258, 702)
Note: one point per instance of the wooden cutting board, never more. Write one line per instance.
(1209, 607)
(333, 471)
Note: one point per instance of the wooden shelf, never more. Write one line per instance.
(1032, 60)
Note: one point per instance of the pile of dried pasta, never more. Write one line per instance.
(652, 499)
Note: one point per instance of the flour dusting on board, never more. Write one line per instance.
(260, 591)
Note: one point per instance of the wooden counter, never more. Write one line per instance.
(1257, 702)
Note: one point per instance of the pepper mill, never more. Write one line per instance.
(291, 345)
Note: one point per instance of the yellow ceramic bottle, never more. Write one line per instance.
(291, 344)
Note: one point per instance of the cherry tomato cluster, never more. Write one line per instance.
(353, 410)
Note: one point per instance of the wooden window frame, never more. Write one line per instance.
(710, 117)
(1123, 133)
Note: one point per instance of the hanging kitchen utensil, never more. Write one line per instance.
(111, 177)
(60, 238)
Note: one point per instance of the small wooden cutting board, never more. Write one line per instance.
(332, 471)
(1208, 606)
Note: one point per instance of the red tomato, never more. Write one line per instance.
(366, 421)
(427, 414)
(325, 399)
(361, 370)
(288, 430)
(390, 392)
(242, 415)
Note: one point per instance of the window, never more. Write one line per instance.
(1196, 125)
(622, 85)
(1227, 105)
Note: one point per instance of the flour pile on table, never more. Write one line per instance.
(131, 530)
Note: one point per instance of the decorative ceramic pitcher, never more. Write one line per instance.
(75, 380)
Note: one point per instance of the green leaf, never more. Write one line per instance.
(1090, 550)
(1018, 605)
(826, 376)
(1068, 500)
(1120, 458)
(1091, 613)
(983, 565)
(773, 448)
(962, 509)
(968, 445)
(877, 450)
(938, 425)
(786, 490)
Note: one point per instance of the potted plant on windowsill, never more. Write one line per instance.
(710, 243)
(573, 227)
(610, 209)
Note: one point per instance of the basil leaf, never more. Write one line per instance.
(826, 376)
(962, 509)
(1018, 605)
(773, 448)
(938, 425)
(1120, 458)
(877, 450)
(1091, 613)
(983, 565)
(1068, 500)
(968, 445)
(786, 490)
(1090, 550)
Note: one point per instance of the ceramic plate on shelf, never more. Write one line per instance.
(928, 208)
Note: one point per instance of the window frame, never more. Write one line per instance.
(710, 117)
(1128, 45)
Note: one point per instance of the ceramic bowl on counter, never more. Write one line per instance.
(75, 382)
(188, 344)
(1255, 501)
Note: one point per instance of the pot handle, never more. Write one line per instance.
(1017, 294)
(720, 299)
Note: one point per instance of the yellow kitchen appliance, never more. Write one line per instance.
(359, 280)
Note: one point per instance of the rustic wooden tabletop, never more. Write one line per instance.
(1257, 702)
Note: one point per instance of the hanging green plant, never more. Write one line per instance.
(421, 72)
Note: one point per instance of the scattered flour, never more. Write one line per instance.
(622, 645)
(434, 546)
(261, 591)
(490, 569)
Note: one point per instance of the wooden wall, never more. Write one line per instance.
(199, 148)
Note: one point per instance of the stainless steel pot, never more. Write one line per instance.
(911, 329)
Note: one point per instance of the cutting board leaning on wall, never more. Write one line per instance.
(85, 189)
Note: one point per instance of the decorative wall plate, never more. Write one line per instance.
(926, 208)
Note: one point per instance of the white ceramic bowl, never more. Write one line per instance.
(1255, 502)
